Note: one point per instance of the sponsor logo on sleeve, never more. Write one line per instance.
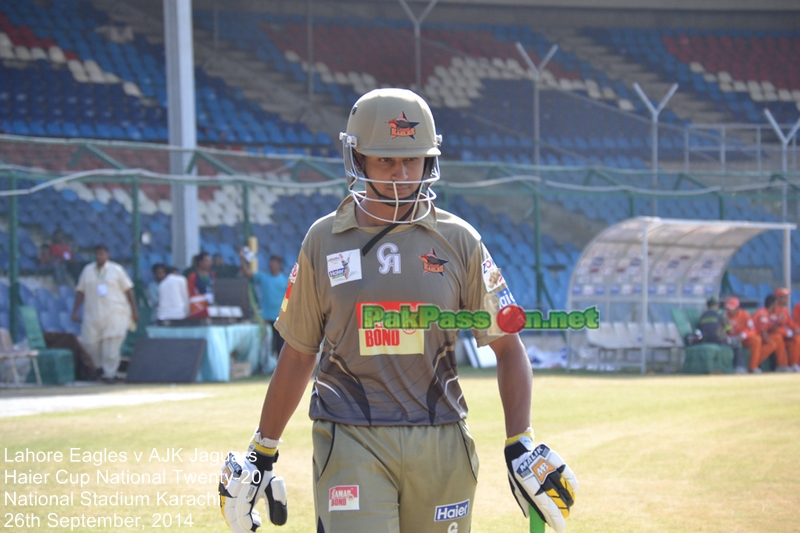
(344, 267)
(492, 278)
(506, 298)
(292, 279)
(343, 498)
(452, 511)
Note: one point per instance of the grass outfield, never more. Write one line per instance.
(652, 454)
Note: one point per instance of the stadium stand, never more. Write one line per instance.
(63, 77)
(68, 70)
(740, 71)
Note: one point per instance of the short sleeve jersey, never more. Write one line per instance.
(387, 322)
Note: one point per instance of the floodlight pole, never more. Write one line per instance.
(785, 140)
(654, 112)
(310, 45)
(216, 27)
(182, 124)
(417, 22)
(536, 73)
(14, 294)
(787, 260)
(645, 269)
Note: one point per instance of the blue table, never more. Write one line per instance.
(241, 340)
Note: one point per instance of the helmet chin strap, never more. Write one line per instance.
(378, 236)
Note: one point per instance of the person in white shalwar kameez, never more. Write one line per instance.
(109, 309)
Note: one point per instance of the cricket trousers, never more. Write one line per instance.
(395, 479)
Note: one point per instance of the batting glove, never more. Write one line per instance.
(245, 480)
(539, 478)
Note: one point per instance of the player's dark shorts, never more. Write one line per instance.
(409, 479)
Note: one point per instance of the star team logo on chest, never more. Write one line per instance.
(432, 264)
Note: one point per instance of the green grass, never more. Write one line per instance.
(652, 454)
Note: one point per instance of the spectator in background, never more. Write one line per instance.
(63, 257)
(47, 263)
(765, 322)
(788, 328)
(201, 286)
(742, 326)
(714, 328)
(106, 292)
(173, 293)
(271, 290)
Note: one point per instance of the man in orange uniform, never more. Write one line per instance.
(742, 327)
(796, 313)
(765, 323)
(788, 328)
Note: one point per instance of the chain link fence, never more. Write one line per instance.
(535, 221)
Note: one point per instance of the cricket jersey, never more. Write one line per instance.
(386, 322)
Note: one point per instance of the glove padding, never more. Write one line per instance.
(541, 479)
(244, 480)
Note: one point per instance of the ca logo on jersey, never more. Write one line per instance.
(389, 258)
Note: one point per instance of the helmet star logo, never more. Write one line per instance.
(433, 264)
(402, 127)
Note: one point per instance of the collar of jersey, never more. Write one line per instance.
(345, 219)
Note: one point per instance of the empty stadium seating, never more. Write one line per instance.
(63, 76)
(740, 71)
(66, 78)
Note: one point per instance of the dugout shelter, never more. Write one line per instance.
(687, 260)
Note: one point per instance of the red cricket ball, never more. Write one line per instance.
(511, 319)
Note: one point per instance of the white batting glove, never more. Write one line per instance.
(244, 480)
(541, 479)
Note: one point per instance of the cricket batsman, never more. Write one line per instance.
(392, 450)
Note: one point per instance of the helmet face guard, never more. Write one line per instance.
(391, 123)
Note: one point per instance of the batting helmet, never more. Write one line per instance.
(391, 123)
